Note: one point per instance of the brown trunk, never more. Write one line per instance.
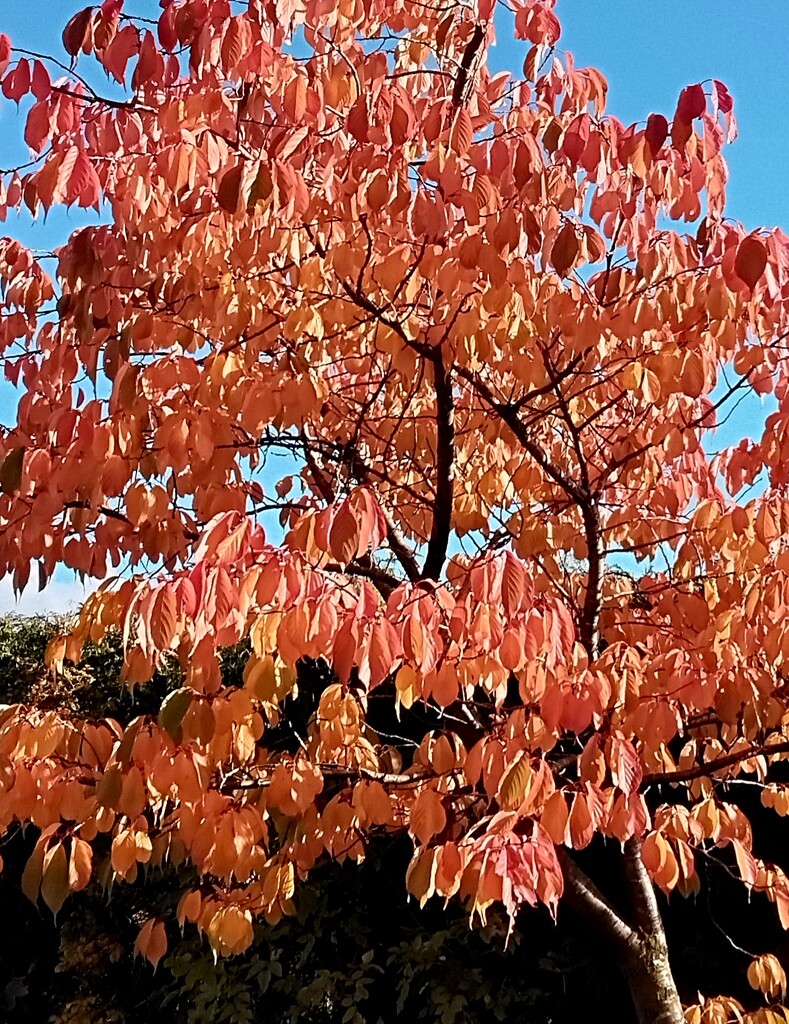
(647, 969)
(638, 940)
(652, 984)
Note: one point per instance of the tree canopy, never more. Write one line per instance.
(490, 329)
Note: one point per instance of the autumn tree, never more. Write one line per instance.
(454, 305)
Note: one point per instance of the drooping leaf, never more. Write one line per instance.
(750, 260)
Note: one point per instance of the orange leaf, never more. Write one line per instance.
(428, 816)
(80, 862)
(152, 941)
(55, 878)
(344, 535)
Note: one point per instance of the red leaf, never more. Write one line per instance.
(656, 133)
(38, 126)
(462, 132)
(401, 124)
(692, 103)
(371, 519)
(357, 121)
(54, 883)
(152, 941)
(344, 535)
(164, 618)
(295, 98)
(626, 768)
(125, 44)
(17, 82)
(168, 37)
(40, 81)
(692, 377)
(536, 22)
(76, 31)
(236, 42)
(5, 52)
(564, 249)
(721, 97)
(383, 651)
(150, 66)
(229, 188)
(681, 131)
(750, 261)
(80, 864)
(513, 584)
(428, 816)
(80, 177)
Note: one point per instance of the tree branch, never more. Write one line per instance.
(241, 778)
(509, 415)
(588, 503)
(464, 83)
(703, 770)
(593, 598)
(641, 890)
(110, 513)
(586, 899)
(445, 471)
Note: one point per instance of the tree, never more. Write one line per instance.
(543, 613)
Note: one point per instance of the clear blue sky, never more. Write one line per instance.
(647, 50)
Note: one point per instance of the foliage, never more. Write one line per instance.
(348, 925)
(92, 689)
(451, 299)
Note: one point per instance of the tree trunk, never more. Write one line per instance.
(648, 973)
(638, 940)
(648, 969)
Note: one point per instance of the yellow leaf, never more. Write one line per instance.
(516, 783)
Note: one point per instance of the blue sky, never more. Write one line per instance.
(647, 50)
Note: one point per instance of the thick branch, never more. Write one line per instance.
(400, 549)
(384, 582)
(580, 493)
(464, 83)
(593, 598)
(445, 471)
(641, 890)
(585, 898)
(640, 951)
(702, 770)
(243, 779)
(365, 303)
